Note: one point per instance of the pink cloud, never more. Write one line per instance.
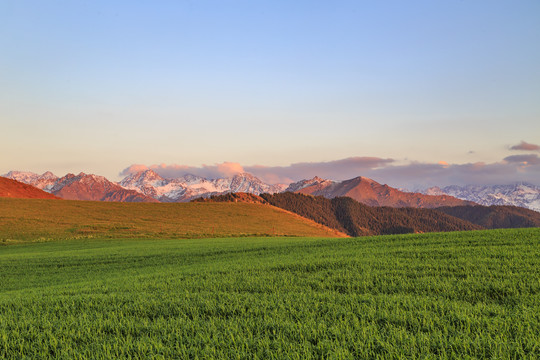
(525, 147)
(226, 169)
(422, 175)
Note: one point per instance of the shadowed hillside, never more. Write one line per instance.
(496, 216)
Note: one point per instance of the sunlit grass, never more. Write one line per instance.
(24, 220)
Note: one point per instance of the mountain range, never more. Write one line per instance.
(149, 186)
(522, 194)
(79, 187)
(372, 193)
(189, 187)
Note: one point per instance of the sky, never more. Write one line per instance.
(410, 93)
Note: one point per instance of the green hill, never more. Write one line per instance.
(36, 219)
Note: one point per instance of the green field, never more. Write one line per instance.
(444, 296)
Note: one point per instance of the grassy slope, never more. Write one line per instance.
(447, 295)
(33, 219)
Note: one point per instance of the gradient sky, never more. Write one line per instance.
(97, 86)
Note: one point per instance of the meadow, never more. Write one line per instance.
(37, 220)
(427, 296)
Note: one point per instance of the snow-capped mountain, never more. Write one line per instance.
(148, 186)
(316, 182)
(522, 195)
(189, 186)
(372, 193)
(44, 181)
(79, 187)
(96, 188)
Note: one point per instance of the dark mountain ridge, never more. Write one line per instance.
(495, 216)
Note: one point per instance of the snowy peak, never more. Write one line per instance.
(142, 177)
(317, 182)
(435, 190)
(147, 182)
(190, 179)
(245, 182)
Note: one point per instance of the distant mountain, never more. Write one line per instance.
(353, 218)
(370, 192)
(190, 187)
(16, 189)
(80, 187)
(522, 195)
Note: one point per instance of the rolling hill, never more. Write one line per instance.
(35, 219)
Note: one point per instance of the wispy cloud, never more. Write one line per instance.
(422, 175)
(524, 160)
(524, 146)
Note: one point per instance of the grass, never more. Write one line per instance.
(35, 220)
(428, 296)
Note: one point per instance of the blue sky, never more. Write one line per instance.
(96, 86)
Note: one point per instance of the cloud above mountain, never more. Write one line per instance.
(411, 175)
(524, 146)
(524, 160)
(338, 169)
(225, 169)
